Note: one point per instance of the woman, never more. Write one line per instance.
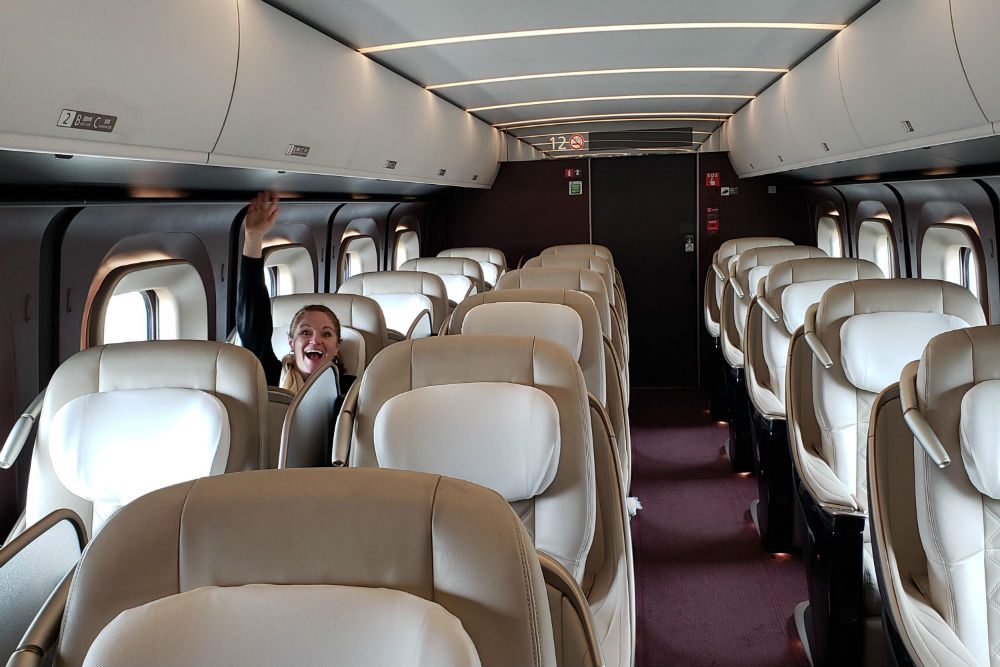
(314, 334)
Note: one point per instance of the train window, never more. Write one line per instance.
(358, 255)
(288, 270)
(875, 243)
(131, 316)
(407, 247)
(828, 237)
(949, 252)
(164, 302)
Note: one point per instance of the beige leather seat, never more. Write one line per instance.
(935, 486)
(414, 303)
(363, 330)
(745, 271)
(492, 261)
(582, 280)
(462, 276)
(310, 566)
(121, 420)
(564, 316)
(594, 263)
(710, 303)
(602, 252)
(733, 247)
(851, 347)
(512, 414)
(776, 312)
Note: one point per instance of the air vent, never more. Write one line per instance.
(907, 126)
(826, 146)
(441, 172)
(390, 164)
(475, 177)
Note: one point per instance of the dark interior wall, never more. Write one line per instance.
(642, 209)
(528, 209)
(753, 211)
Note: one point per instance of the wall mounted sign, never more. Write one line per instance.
(578, 141)
(576, 188)
(712, 179)
(86, 120)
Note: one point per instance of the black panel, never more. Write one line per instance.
(643, 209)
(675, 137)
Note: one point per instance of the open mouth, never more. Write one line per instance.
(314, 355)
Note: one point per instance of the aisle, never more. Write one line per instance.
(707, 593)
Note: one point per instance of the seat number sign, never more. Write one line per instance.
(86, 120)
(569, 142)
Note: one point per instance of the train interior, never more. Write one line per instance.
(665, 333)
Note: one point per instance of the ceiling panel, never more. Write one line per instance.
(370, 23)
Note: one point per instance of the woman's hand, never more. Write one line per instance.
(261, 216)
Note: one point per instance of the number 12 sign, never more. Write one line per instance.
(569, 142)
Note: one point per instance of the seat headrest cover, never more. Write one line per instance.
(112, 447)
(553, 321)
(979, 425)
(274, 626)
(498, 435)
(876, 346)
(401, 309)
(797, 297)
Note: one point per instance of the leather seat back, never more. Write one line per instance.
(462, 276)
(594, 263)
(509, 413)
(601, 251)
(257, 568)
(492, 261)
(363, 330)
(871, 329)
(747, 270)
(790, 288)
(403, 295)
(734, 247)
(121, 420)
(937, 528)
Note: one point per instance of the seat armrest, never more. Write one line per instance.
(343, 433)
(21, 432)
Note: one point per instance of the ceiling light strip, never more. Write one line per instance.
(624, 120)
(611, 98)
(551, 32)
(659, 115)
(597, 72)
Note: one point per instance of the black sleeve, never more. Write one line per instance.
(253, 317)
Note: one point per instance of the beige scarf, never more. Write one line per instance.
(291, 378)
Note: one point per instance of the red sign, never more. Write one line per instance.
(711, 221)
(573, 173)
(577, 142)
(712, 179)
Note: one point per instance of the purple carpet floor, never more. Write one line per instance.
(707, 594)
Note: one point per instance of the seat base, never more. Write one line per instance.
(802, 617)
(775, 493)
(739, 447)
(719, 402)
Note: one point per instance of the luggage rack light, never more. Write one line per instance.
(635, 27)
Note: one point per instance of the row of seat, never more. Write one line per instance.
(538, 437)
(820, 339)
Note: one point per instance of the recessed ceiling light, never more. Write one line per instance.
(548, 32)
(595, 72)
(648, 115)
(607, 98)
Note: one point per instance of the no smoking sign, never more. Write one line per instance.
(577, 142)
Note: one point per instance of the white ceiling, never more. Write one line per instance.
(368, 23)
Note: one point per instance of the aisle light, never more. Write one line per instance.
(646, 115)
(548, 32)
(593, 72)
(611, 98)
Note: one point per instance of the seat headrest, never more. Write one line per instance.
(754, 264)
(980, 423)
(394, 282)
(796, 299)
(322, 527)
(374, 626)
(799, 283)
(582, 280)
(112, 447)
(874, 347)
(552, 321)
(580, 249)
(480, 254)
(734, 247)
(446, 266)
(428, 430)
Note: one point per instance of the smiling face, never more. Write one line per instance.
(314, 341)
